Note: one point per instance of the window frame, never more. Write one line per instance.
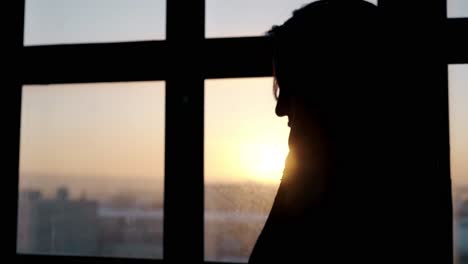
(172, 58)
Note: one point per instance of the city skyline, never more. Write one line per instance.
(231, 225)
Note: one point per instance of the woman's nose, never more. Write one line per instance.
(282, 106)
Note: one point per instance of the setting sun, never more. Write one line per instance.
(265, 160)
(244, 139)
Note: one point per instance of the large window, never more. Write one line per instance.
(166, 148)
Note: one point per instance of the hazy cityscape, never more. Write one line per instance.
(121, 226)
(460, 224)
(130, 225)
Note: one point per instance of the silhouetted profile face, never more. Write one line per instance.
(284, 105)
(325, 62)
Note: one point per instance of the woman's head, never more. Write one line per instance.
(324, 56)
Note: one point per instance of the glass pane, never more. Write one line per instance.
(91, 170)
(245, 148)
(457, 8)
(91, 21)
(459, 158)
(241, 18)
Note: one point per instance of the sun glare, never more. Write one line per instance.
(265, 161)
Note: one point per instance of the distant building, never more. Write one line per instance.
(460, 226)
(121, 227)
(56, 226)
(62, 226)
(130, 232)
(25, 239)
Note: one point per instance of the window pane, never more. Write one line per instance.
(245, 148)
(241, 18)
(91, 170)
(459, 158)
(91, 21)
(457, 8)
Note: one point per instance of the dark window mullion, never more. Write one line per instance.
(425, 197)
(237, 57)
(85, 63)
(13, 38)
(184, 203)
(457, 40)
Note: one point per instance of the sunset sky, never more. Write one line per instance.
(458, 83)
(94, 137)
(117, 130)
(243, 137)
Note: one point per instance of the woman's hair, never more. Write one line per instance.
(322, 43)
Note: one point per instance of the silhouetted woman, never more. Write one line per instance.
(328, 74)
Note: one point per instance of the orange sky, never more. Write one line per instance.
(244, 139)
(116, 130)
(458, 83)
(104, 131)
